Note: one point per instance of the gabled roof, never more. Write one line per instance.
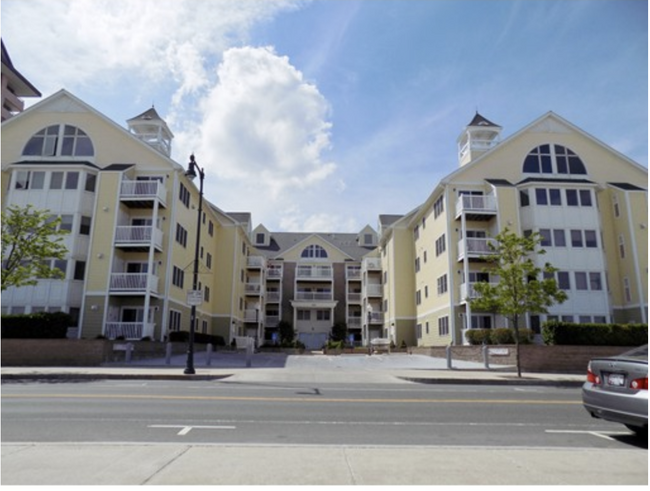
(346, 243)
(21, 86)
(479, 120)
(626, 186)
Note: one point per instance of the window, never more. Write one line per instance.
(79, 270)
(627, 290)
(76, 142)
(559, 240)
(585, 197)
(66, 223)
(621, 246)
(617, 211)
(555, 197)
(303, 315)
(481, 322)
(581, 280)
(442, 284)
(181, 235)
(323, 315)
(443, 326)
(56, 182)
(84, 228)
(595, 282)
(545, 234)
(22, 180)
(590, 238)
(210, 228)
(556, 159)
(541, 198)
(174, 320)
(71, 180)
(524, 199)
(563, 281)
(416, 232)
(314, 251)
(91, 182)
(178, 277)
(576, 238)
(572, 197)
(208, 260)
(418, 297)
(206, 294)
(45, 143)
(184, 195)
(29, 180)
(417, 264)
(438, 207)
(62, 265)
(440, 245)
(259, 239)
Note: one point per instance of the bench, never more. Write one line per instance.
(380, 344)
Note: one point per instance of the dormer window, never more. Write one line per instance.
(260, 238)
(59, 141)
(553, 159)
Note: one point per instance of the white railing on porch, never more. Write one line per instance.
(125, 234)
(313, 272)
(469, 203)
(128, 330)
(142, 190)
(315, 296)
(133, 282)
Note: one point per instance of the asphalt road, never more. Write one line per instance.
(265, 432)
(290, 413)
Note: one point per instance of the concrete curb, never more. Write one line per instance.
(523, 382)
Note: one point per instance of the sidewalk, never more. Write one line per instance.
(393, 368)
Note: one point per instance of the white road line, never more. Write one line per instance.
(185, 429)
(601, 434)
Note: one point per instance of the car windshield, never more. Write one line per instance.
(640, 352)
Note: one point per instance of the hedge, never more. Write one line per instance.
(43, 325)
(500, 335)
(199, 337)
(566, 333)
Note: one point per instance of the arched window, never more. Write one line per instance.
(553, 159)
(314, 251)
(59, 140)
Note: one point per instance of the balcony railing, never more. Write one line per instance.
(256, 262)
(140, 191)
(376, 317)
(353, 273)
(315, 296)
(138, 236)
(372, 264)
(475, 247)
(476, 204)
(133, 283)
(253, 289)
(274, 273)
(128, 330)
(271, 321)
(354, 322)
(354, 297)
(374, 290)
(313, 272)
(468, 292)
(273, 297)
(253, 315)
(477, 144)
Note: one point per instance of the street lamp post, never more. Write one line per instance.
(369, 310)
(191, 173)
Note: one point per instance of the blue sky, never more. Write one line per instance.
(321, 115)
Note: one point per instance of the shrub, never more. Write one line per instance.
(43, 325)
(199, 337)
(566, 333)
(478, 336)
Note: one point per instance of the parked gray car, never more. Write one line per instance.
(617, 389)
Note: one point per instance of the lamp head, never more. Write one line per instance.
(190, 172)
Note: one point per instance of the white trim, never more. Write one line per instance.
(635, 257)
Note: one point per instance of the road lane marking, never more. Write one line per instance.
(185, 429)
(313, 399)
(601, 434)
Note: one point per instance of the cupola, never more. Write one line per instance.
(479, 136)
(153, 130)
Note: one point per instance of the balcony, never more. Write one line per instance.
(354, 297)
(142, 194)
(479, 208)
(303, 296)
(373, 290)
(133, 283)
(273, 296)
(354, 322)
(475, 248)
(254, 289)
(468, 292)
(372, 264)
(256, 262)
(353, 273)
(274, 273)
(271, 321)
(128, 330)
(138, 238)
(376, 318)
(314, 273)
(253, 315)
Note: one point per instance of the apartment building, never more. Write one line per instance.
(313, 281)
(15, 87)
(131, 214)
(588, 202)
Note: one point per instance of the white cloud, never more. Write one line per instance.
(265, 130)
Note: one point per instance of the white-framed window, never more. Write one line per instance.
(174, 320)
(59, 141)
(314, 251)
(443, 326)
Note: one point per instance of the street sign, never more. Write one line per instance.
(194, 297)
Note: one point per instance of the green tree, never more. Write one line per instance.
(523, 287)
(339, 332)
(286, 332)
(30, 238)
